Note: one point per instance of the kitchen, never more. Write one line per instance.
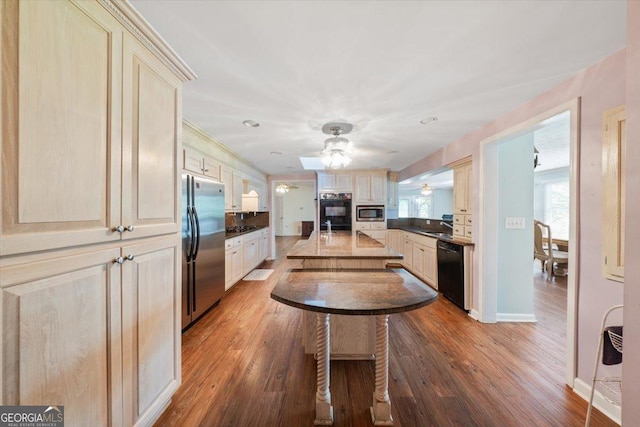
(62, 231)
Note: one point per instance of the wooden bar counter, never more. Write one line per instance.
(374, 294)
(352, 337)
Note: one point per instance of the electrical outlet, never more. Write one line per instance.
(428, 221)
(514, 223)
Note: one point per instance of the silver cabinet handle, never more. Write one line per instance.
(118, 228)
(129, 228)
(119, 260)
(130, 257)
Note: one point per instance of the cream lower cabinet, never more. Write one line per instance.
(421, 257)
(99, 337)
(250, 250)
(151, 322)
(407, 251)
(233, 261)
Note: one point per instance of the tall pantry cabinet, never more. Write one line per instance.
(90, 216)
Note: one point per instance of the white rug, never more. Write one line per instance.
(259, 274)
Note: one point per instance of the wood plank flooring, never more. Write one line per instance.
(244, 365)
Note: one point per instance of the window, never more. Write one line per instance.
(556, 212)
(415, 206)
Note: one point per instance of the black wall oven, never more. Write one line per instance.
(370, 213)
(336, 208)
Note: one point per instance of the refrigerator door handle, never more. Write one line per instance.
(189, 285)
(196, 232)
(192, 235)
(193, 284)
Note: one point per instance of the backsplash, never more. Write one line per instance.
(246, 219)
(433, 225)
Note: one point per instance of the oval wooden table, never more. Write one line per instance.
(376, 293)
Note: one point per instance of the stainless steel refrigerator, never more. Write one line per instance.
(203, 232)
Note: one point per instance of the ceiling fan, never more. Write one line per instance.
(282, 188)
(339, 151)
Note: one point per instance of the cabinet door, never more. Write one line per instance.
(211, 168)
(151, 129)
(227, 179)
(326, 182)
(461, 177)
(418, 259)
(363, 188)
(378, 188)
(61, 125)
(431, 266)
(237, 259)
(264, 246)
(192, 160)
(250, 255)
(237, 190)
(151, 297)
(61, 340)
(407, 251)
(228, 277)
(344, 182)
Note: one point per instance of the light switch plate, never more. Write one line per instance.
(514, 223)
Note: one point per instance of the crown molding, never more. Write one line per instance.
(131, 19)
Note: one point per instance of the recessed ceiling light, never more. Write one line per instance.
(276, 153)
(428, 120)
(251, 123)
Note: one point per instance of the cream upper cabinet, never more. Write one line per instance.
(613, 184)
(392, 190)
(61, 148)
(334, 181)
(197, 162)
(371, 187)
(462, 185)
(461, 181)
(92, 156)
(151, 130)
(233, 188)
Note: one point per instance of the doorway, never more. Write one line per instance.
(494, 235)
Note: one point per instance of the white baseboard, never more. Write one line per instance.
(583, 390)
(515, 317)
(474, 314)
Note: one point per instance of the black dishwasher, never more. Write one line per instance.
(451, 272)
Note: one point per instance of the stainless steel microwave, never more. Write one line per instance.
(370, 213)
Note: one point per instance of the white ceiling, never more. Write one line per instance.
(382, 66)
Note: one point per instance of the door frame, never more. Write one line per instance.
(487, 295)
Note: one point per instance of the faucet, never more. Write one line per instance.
(446, 224)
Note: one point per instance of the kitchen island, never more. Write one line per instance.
(373, 294)
(352, 337)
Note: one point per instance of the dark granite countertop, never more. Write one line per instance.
(247, 230)
(342, 245)
(353, 292)
(436, 235)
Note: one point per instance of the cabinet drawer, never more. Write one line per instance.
(459, 219)
(467, 231)
(378, 226)
(467, 220)
(458, 230)
(228, 244)
(237, 241)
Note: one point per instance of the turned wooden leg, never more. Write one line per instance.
(381, 409)
(324, 410)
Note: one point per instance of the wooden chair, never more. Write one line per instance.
(546, 255)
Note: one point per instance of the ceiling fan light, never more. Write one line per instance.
(282, 188)
(426, 190)
(335, 159)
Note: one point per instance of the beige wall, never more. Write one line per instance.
(631, 367)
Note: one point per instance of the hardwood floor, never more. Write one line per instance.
(244, 365)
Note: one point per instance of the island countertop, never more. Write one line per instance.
(353, 292)
(341, 245)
